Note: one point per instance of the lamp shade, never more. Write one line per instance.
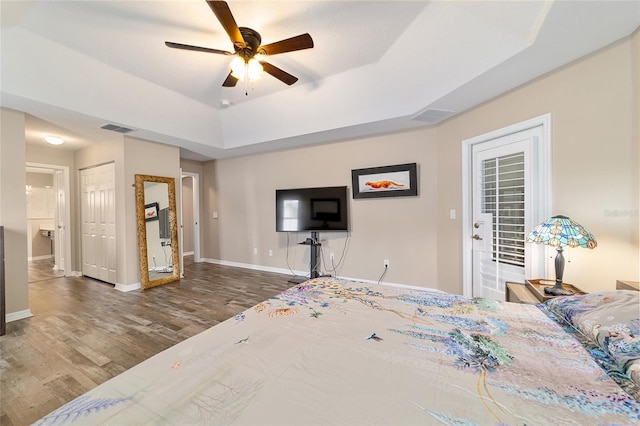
(560, 231)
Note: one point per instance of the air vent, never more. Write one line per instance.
(116, 128)
(432, 116)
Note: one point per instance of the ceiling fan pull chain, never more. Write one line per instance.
(246, 80)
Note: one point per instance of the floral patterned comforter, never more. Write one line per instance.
(331, 351)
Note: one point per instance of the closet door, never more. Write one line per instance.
(98, 222)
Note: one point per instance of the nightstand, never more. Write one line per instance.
(519, 293)
(536, 287)
(532, 292)
(627, 285)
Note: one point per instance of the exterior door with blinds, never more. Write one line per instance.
(502, 211)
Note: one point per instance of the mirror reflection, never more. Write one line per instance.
(157, 230)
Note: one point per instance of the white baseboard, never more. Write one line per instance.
(188, 253)
(306, 273)
(46, 256)
(127, 287)
(15, 316)
(75, 274)
(256, 267)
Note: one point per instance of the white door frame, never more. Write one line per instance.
(67, 213)
(541, 173)
(196, 217)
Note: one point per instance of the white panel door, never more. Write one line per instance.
(98, 223)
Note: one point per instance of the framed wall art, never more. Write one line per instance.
(151, 212)
(386, 181)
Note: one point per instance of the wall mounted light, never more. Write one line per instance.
(54, 140)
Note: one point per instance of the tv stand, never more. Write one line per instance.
(313, 244)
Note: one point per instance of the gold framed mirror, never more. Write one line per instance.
(158, 251)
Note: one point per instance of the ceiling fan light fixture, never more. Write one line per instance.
(238, 68)
(248, 49)
(254, 69)
(242, 69)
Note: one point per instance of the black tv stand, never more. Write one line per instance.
(313, 242)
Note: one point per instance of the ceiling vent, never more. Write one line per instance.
(116, 128)
(432, 116)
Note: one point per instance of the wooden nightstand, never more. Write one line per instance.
(519, 293)
(536, 287)
(627, 285)
(533, 292)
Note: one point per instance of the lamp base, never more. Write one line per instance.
(557, 291)
(537, 286)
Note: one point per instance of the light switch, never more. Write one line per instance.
(215, 214)
(452, 214)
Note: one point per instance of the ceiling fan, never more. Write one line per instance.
(247, 44)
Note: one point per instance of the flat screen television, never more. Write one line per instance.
(312, 209)
(165, 228)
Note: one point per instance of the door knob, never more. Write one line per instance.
(476, 237)
(476, 225)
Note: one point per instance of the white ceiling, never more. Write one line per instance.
(377, 66)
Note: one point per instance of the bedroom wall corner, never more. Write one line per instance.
(209, 203)
(13, 211)
(635, 113)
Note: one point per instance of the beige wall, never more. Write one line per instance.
(401, 229)
(594, 161)
(164, 162)
(209, 203)
(13, 210)
(187, 214)
(196, 167)
(594, 107)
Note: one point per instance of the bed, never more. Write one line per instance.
(331, 351)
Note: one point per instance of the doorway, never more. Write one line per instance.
(48, 215)
(506, 192)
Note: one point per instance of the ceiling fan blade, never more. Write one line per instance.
(303, 41)
(196, 48)
(224, 15)
(230, 81)
(281, 75)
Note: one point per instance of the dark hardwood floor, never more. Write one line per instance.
(83, 332)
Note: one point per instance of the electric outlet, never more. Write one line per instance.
(386, 263)
(270, 252)
(255, 250)
(332, 255)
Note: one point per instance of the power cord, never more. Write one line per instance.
(287, 259)
(386, 268)
(334, 268)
